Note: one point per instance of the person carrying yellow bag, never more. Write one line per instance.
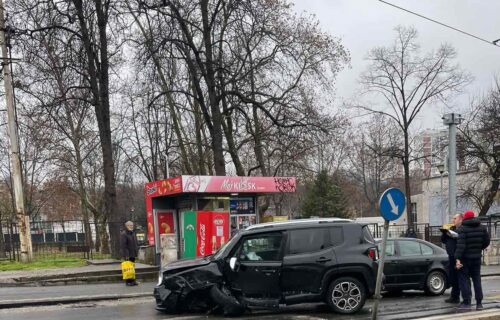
(129, 250)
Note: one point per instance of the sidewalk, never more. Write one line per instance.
(488, 271)
(110, 272)
(26, 296)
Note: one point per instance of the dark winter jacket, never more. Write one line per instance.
(128, 244)
(472, 239)
(449, 242)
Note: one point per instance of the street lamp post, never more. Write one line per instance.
(440, 168)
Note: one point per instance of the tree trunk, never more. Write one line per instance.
(2, 242)
(103, 236)
(98, 69)
(199, 141)
(216, 132)
(406, 167)
(492, 192)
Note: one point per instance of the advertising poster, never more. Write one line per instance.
(165, 222)
(242, 206)
(220, 229)
(189, 234)
(203, 233)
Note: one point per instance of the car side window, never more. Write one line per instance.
(262, 247)
(409, 248)
(389, 248)
(426, 250)
(308, 240)
(336, 236)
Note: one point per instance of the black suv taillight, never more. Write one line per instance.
(373, 253)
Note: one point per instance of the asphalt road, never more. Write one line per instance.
(410, 305)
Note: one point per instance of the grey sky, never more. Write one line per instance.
(364, 24)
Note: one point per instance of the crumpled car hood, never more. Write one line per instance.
(186, 264)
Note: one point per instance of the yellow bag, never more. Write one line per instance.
(128, 270)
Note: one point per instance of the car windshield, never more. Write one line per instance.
(223, 250)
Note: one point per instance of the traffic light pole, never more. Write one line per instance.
(23, 224)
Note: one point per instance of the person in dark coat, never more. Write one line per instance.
(129, 247)
(472, 240)
(449, 239)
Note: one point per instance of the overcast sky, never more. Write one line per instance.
(364, 24)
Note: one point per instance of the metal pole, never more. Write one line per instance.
(378, 286)
(452, 171)
(452, 119)
(443, 215)
(26, 252)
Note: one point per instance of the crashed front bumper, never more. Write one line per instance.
(166, 300)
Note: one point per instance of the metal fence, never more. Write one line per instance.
(63, 239)
(430, 233)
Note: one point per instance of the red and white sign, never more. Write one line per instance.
(223, 184)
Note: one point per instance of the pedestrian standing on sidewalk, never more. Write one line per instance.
(449, 239)
(472, 240)
(129, 247)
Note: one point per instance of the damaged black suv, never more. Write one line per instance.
(273, 264)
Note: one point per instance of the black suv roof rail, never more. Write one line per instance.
(297, 222)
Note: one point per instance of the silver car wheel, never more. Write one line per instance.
(346, 296)
(436, 283)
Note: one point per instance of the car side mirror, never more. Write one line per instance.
(232, 263)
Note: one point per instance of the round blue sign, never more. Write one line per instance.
(392, 204)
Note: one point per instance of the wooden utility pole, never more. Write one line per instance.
(23, 223)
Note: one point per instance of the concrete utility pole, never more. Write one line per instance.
(23, 223)
(451, 120)
(440, 168)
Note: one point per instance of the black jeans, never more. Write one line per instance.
(471, 270)
(453, 278)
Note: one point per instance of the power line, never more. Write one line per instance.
(493, 43)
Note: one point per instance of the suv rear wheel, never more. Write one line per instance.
(346, 295)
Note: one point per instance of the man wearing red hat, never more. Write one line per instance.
(472, 240)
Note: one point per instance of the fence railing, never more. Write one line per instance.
(75, 238)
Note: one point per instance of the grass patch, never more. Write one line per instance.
(42, 263)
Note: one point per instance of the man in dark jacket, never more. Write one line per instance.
(128, 246)
(449, 239)
(472, 240)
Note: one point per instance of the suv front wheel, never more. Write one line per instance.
(346, 295)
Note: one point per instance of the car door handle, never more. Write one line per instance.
(323, 259)
(268, 270)
(392, 262)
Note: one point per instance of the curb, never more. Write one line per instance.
(491, 314)
(490, 275)
(79, 278)
(68, 300)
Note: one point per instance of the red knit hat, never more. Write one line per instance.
(468, 214)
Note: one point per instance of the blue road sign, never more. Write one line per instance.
(392, 204)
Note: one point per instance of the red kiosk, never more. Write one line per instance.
(199, 211)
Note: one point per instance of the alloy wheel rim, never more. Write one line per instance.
(346, 296)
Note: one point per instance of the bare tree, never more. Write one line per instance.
(480, 136)
(407, 81)
(372, 165)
